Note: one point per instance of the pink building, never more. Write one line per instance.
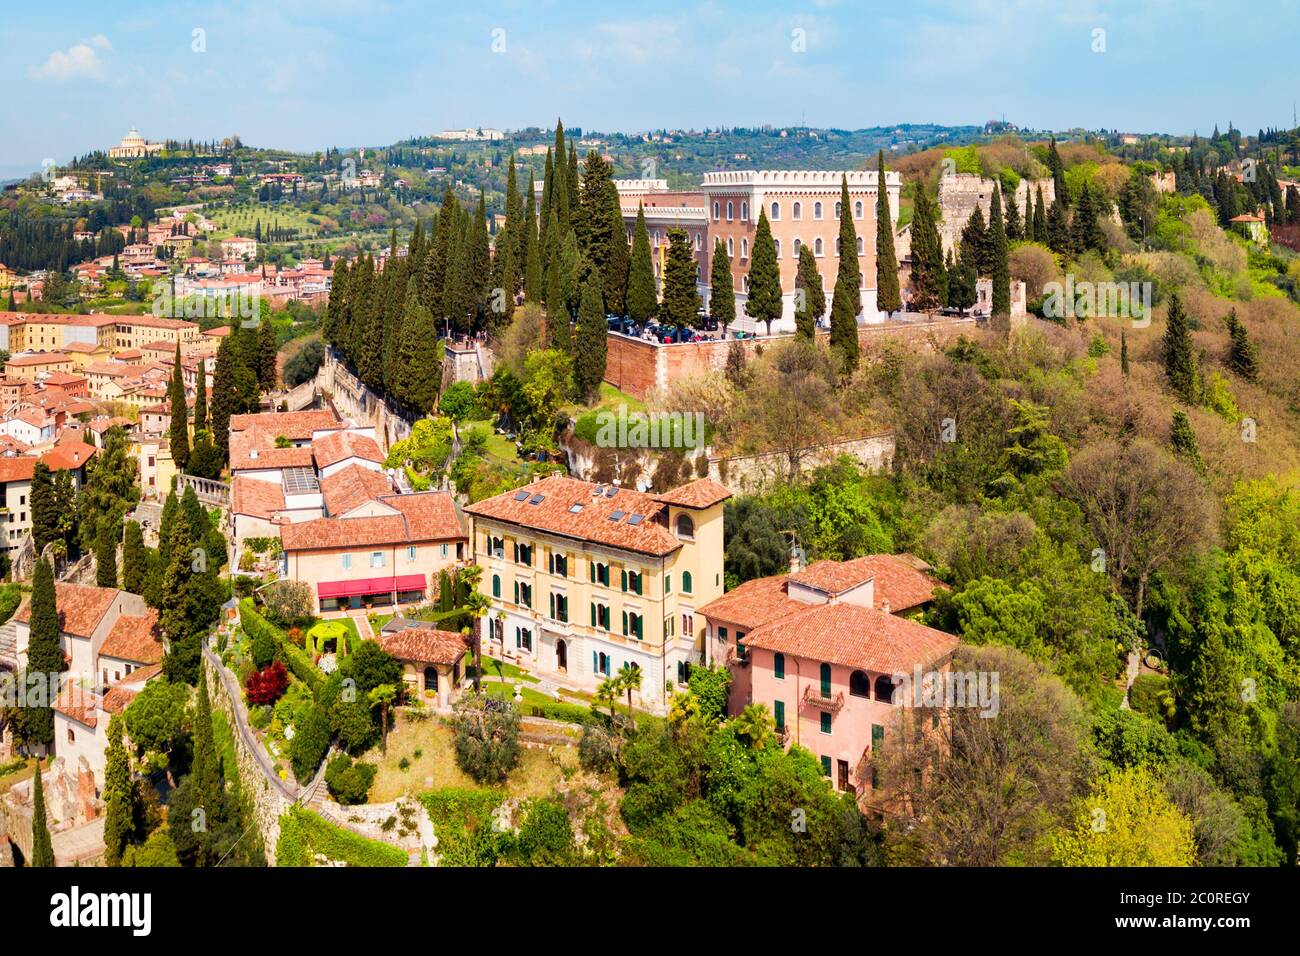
(820, 648)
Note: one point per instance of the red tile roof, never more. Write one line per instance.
(753, 603)
(341, 445)
(69, 455)
(853, 636)
(424, 517)
(78, 704)
(81, 607)
(257, 499)
(350, 486)
(701, 493)
(424, 644)
(134, 639)
(591, 521)
(297, 426)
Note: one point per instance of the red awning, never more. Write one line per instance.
(364, 586)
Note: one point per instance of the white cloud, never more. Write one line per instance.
(80, 61)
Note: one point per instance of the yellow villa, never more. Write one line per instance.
(586, 579)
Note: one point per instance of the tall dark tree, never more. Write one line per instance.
(846, 299)
(179, 433)
(764, 303)
(888, 297)
(42, 842)
(1057, 167)
(532, 248)
(1123, 353)
(1028, 227)
(722, 292)
(642, 302)
(44, 652)
(1015, 230)
(1179, 357)
(1242, 356)
(106, 553)
(1183, 439)
(928, 275)
(266, 354)
(1058, 229)
(1085, 227)
(963, 282)
(1001, 296)
(810, 295)
(119, 796)
(590, 345)
(224, 397)
(975, 245)
(135, 559)
(1040, 216)
(417, 379)
(681, 300)
(45, 509)
(619, 257)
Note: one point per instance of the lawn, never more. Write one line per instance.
(499, 448)
(495, 668)
(435, 767)
(17, 773)
(610, 398)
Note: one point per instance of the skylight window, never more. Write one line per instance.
(576, 508)
(617, 515)
(536, 499)
(635, 520)
(521, 496)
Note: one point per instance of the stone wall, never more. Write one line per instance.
(754, 474)
(352, 399)
(960, 193)
(639, 367)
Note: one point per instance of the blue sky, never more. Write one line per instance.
(306, 74)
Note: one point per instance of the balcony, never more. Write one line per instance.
(782, 734)
(813, 697)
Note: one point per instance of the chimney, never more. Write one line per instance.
(795, 564)
(884, 606)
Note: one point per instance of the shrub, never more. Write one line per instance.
(294, 636)
(596, 749)
(349, 783)
(299, 663)
(261, 647)
(1150, 696)
(303, 833)
(354, 724)
(267, 685)
(546, 836)
(486, 737)
(288, 602)
(311, 740)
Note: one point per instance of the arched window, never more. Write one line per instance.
(796, 211)
(859, 685)
(431, 679)
(885, 688)
(778, 665)
(730, 210)
(744, 283)
(697, 242)
(797, 245)
(777, 243)
(744, 248)
(817, 246)
(857, 209)
(861, 247)
(715, 211)
(744, 212)
(686, 582)
(817, 210)
(685, 527)
(826, 680)
(837, 210)
(839, 246)
(775, 211)
(730, 247)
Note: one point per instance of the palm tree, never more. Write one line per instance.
(477, 604)
(630, 679)
(608, 692)
(754, 724)
(382, 697)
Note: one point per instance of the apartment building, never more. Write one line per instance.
(16, 487)
(586, 579)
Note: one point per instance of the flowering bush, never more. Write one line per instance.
(267, 685)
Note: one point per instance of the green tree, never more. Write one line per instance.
(590, 346)
(1123, 353)
(266, 355)
(928, 275)
(888, 297)
(119, 796)
(135, 562)
(1001, 304)
(1179, 357)
(106, 539)
(1183, 439)
(846, 298)
(681, 301)
(44, 651)
(1127, 821)
(1242, 356)
(223, 397)
(42, 842)
(810, 296)
(179, 434)
(45, 508)
(764, 298)
(642, 302)
(722, 293)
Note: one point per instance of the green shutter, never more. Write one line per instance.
(778, 665)
(826, 766)
(778, 709)
(623, 578)
(826, 722)
(826, 680)
(516, 592)
(625, 623)
(591, 566)
(593, 613)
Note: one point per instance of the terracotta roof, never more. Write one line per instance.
(68, 455)
(700, 493)
(854, 636)
(297, 426)
(255, 449)
(427, 516)
(78, 704)
(16, 468)
(592, 521)
(753, 603)
(81, 607)
(86, 347)
(256, 498)
(424, 644)
(121, 694)
(134, 639)
(350, 486)
(341, 445)
(41, 358)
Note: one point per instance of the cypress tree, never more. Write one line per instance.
(642, 302)
(266, 352)
(1242, 357)
(119, 797)
(417, 377)
(1028, 226)
(176, 615)
(928, 277)
(1183, 438)
(1180, 362)
(846, 299)
(1058, 229)
(975, 245)
(532, 248)
(1040, 216)
(1123, 353)
(44, 650)
(962, 282)
(135, 559)
(888, 297)
(544, 214)
(618, 258)
(480, 263)
(763, 303)
(42, 842)
(179, 434)
(514, 223)
(812, 303)
(201, 398)
(1085, 229)
(681, 302)
(571, 177)
(1058, 175)
(722, 292)
(1013, 226)
(106, 553)
(591, 222)
(1001, 303)
(590, 347)
(45, 508)
(223, 398)
(206, 765)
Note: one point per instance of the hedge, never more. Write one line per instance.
(462, 818)
(569, 713)
(304, 834)
(255, 624)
